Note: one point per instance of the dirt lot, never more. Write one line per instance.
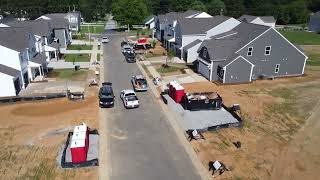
(32, 133)
(274, 113)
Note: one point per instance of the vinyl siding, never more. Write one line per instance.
(204, 70)
(290, 59)
(7, 86)
(238, 71)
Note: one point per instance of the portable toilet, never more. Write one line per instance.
(78, 151)
(82, 128)
(81, 136)
(179, 94)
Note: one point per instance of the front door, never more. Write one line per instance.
(17, 85)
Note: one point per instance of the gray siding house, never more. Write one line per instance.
(249, 52)
(189, 31)
(314, 22)
(61, 28)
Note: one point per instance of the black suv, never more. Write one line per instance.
(130, 57)
(106, 96)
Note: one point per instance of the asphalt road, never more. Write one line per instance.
(142, 144)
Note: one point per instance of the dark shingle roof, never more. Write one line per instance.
(193, 43)
(200, 25)
(15, 38)
(224, 46)
(9, 71)
(249, 18)
(39, 27)
(148, 18)
(38, 58)
(58, 20)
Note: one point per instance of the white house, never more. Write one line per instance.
(149, 22)
(261, 20)
(43, 32)
(18, 53)
(190, 32)
(165, 24)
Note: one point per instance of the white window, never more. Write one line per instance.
(267, 50)
(250, 49)
(276, 70)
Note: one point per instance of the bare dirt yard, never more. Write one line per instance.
(33, 132)
(279, 138)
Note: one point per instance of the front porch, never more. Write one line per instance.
(37, 68)
(52, 51)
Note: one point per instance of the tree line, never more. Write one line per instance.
(135, 11)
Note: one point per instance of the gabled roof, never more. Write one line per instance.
(15, 38)
(58, 20)
(173, 16)
(193, 43)
(38, 58)
(39, 27)
(224, 46)
(9, 71)
(249, 18)
(200, 25)
(148, 18)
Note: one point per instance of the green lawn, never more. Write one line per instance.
(302, 37)
(98, 57)
(69, 74)
(92, 28)
(79, 47)
(314, 59)
(77, 57)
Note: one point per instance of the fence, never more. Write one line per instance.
(31, 98)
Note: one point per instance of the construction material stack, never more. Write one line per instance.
(80, 143)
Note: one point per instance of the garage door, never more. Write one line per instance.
(204, 70)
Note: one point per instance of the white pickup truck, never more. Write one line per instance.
(129, 99)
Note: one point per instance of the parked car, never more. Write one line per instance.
(130, 57)
(105, 39)
(129, 99)
(139, 83)
(106, 96)
(127, 49)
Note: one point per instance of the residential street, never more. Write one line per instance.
(142, 145)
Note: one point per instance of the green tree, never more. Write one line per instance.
(215, 7)
(170, 56)
(298, 12)
(235, 8)
(198, 5)
(129, 12)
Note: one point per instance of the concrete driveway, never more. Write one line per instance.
(141, 143)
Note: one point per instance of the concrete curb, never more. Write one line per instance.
(172, 119)
(104, 141)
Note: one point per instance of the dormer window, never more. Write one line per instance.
(204, 52)
(267, 51)
(250, 49)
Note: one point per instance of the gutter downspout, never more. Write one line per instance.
(211, 66)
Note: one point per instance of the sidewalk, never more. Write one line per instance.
(65, 51)
(94, 54)
(61, 64)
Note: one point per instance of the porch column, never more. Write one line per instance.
(56, 54)
(40, 70)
